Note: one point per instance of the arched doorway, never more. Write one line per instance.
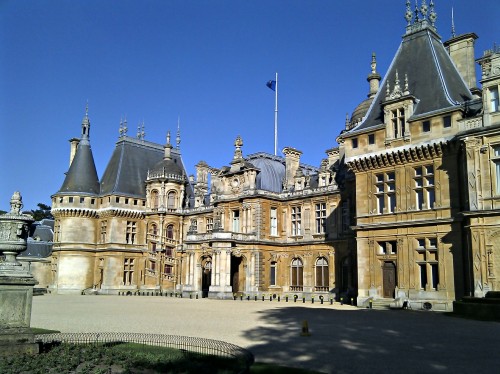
(389, 279)
(206, 277)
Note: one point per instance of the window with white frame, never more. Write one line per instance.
(425, 194)
(496, 166)
(320, 209)
(385, 192)
(236, 220)
(274, 222)
(209, 224)
(427, 263)
(296, 220)
(128, 271)
(494, 99)
(131, 232)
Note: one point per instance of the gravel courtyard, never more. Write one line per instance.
(343, 339)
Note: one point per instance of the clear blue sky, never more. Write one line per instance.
(205, 61)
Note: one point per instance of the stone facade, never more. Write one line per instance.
(406, 209)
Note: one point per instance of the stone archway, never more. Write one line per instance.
(206, 275)
(238, 272)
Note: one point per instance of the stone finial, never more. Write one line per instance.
(374, 63)
(409, 13)
(16, 203)
(432, 14)
(238, 143)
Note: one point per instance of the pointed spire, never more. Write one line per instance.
(452, 24)
(406, 89)
(374, 77)
(178, 137)
(168, 137)
(86, 125)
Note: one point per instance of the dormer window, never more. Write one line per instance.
(426, 126)
(354, 142)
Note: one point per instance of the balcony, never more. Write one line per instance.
(220, 235)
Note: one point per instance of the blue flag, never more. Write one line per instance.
(271, 85)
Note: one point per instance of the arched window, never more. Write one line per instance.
(171, 200)
(153, 229)
(297, 279)
(154, 199)
(322, 274)
(170, 231)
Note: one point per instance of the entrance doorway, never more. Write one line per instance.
(237, 274)
(206, 277)
(389, 279)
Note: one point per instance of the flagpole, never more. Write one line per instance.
(276, 117)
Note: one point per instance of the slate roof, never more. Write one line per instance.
(81, 177)
(127, 170)
(432, 78)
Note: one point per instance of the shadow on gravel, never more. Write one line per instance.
(372, 341)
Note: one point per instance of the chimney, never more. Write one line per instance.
(461, 50)
(74, 145)
(292, 161)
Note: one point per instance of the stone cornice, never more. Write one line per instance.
(396, 157)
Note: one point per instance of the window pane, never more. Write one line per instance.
(423, 275)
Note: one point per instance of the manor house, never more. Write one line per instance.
(405, 208)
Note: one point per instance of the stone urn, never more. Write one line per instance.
(16, 282)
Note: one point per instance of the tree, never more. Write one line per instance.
(42, 212)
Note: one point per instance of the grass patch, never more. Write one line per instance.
(116, 357)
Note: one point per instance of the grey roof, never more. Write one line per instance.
(81, 177)
(127, 170)
(272, 171)
(432, 78)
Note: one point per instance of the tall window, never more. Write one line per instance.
(296, 220)
(385, 192)
(194, 225)
(496, 166)
(398, 122)
(210, 224)
(272, 275)
(154, 199)
(427, 262)
(274, 222)
(494, 100)
(425, 195)
(167, 269)
(170, 231)
(171, 200)
(131, 232)
(128, 271)
(322, 274)
(104, 226)
(320, 218)
(297, 276)
(387, 248)
(236, 220)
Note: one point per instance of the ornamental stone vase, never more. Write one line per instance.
(16, 283)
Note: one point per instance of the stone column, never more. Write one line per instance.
(16, 283)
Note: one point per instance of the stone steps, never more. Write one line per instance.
(381, 304)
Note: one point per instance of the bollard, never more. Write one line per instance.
(196, 296)
(305, 329)
(263, 297)
(303, 300)
(278, 298)
(352, 301)
(312, 300)
(234, 296)
(371, 304)
(295, 297)
(286, 298)
(255, 297)
(241, 297)
(190, 296)
(331, 300)
(321, 299)
(248, 297)
(341, 301)
(270, 297)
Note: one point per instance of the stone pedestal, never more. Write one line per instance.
(16, 283)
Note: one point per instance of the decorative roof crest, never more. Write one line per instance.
(421, 18)
(397, 92)
(238, 143)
